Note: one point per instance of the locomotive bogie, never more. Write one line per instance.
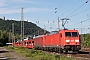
(72, 48)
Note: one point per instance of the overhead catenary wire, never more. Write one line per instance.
(80, 12)
(56, 8)
(71, 7)
(62, 5)
(77, 8)
(53, 12)
(79, 22)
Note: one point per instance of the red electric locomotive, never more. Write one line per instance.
(64, 40)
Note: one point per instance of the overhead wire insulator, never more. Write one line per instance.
(48, 21)
(53, 22)
(38, 22)
(55, 10)
(87, 1)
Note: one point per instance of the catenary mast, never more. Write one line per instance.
(22, 24)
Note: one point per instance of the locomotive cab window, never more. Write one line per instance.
(67, 33)
(73, 34)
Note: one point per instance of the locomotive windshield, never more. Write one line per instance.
(73, 34)
(67, 33)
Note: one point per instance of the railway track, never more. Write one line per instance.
(84, 54)
(79, 56)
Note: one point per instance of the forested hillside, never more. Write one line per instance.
(29, 27)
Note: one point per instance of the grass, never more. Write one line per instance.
(37, 54)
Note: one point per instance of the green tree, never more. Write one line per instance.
(86, 39)
(3, 38)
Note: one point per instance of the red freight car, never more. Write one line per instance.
(17, 44)
(28, 43)
(64, 40)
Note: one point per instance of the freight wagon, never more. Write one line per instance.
(27, 43)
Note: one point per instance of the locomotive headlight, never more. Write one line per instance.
(76, 40)
(67, 40)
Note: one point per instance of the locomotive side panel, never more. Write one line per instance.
(38, 42)
(62, 39)
(52, 40)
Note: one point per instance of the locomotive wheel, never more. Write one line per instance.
(60, 50)
(65, 51)
(45, 49)
(42, 49)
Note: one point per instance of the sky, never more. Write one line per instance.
(45, 13)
